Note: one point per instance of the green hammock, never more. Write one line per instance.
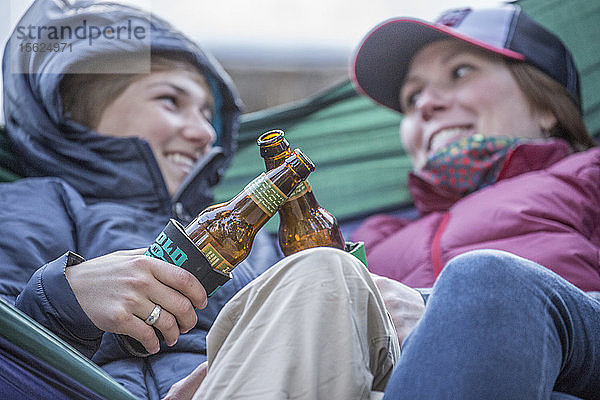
(30, 336)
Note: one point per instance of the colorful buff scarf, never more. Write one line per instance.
(469, 164)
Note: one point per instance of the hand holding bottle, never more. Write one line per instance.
(221, 236)
(119, 290)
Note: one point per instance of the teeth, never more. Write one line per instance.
(181, 159)
(447, 136)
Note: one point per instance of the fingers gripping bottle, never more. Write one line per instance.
(221, 236)
(303, 222)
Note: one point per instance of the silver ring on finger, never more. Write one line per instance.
(153, 315)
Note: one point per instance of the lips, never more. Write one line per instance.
(445, 136)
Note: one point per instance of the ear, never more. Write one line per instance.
(547, 121)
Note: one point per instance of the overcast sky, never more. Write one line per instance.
(263, 24)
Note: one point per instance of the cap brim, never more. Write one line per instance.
(383, 58)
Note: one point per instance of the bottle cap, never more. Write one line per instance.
(272, 143)
(300, 164)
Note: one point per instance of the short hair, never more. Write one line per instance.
(85, 96)
(545, 94)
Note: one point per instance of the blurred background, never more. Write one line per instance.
(276, 51)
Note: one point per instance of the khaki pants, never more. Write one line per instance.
(314, 326)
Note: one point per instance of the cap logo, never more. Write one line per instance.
(453, 17)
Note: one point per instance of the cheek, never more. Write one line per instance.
(410, 136)
(510, 116)
(501, 108)
(482, 95)
(157, 139)
(113, 121)
(155, 127)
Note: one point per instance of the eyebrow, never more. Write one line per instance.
(445, 59)
(181, 90)
(458, 51)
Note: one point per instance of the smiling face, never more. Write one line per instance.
(454, 90)
(172, 111)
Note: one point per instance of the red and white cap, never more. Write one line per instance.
(383, 57)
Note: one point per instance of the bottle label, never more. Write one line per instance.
(174, 246)
(265, 194)
(164, 249)
(302, 188)
(216, 260)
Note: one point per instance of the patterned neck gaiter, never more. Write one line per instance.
(468, 164)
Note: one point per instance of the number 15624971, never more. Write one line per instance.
(42, 47)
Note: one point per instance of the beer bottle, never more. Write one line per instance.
(303, 223)
(221, 236)
(225, 232)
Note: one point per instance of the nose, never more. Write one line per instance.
(432, 100)
(198, 129)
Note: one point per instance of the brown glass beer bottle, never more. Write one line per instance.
(225, 232)
(221, 236)
(303, 222)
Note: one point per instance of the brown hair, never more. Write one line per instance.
(545, 94)
(85, 96)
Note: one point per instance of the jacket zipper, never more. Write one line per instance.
(436, 247)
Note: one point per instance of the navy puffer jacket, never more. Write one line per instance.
(92, 194)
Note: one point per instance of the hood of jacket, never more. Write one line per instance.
(103, 168)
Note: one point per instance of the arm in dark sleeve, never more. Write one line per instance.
(49, 300)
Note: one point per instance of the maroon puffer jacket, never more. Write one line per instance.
(544, 207)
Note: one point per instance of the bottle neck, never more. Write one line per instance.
(241, 217)
(271, 189)
(303, 190)
(300, 202)
(266, 193)
(285, 178)
(275, 161)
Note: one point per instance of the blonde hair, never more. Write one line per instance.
(545, 94)
(85, 96)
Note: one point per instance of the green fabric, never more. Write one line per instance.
(357, 249)
(360, 164)
(26, 333)
(577, 23)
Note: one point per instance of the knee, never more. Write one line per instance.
(485, 266)
(320, 263)
(485, 272)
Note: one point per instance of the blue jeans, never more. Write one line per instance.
(497, 326)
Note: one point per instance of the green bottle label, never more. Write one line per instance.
(302, 188)
(216, 260)
(265, 194)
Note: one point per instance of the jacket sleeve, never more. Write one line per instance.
(377, 228)
(49, 300)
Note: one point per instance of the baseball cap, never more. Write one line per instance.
(382, 59)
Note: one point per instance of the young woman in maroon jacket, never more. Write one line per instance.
(506, 182)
